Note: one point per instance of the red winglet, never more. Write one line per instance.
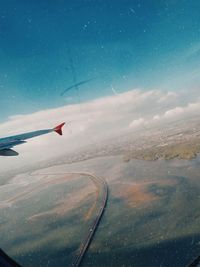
(58, 129)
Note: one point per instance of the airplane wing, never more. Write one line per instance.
(7, 143)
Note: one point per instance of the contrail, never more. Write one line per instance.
(114, 91)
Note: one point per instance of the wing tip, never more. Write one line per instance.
(58, 129)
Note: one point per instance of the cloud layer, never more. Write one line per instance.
(94, 121)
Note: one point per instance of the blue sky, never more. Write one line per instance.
(126, 44)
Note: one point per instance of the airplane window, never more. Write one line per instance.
(99, 133)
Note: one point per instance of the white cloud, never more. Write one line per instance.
(156, 117)
(174, 112)
(185, 111)
(137, 123)
(169, 96)
(93, 121)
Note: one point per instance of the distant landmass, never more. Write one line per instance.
(185, 150)
(180, 139)
(152, 217)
